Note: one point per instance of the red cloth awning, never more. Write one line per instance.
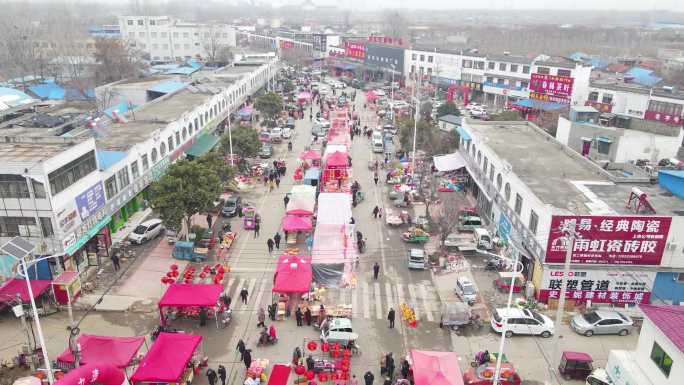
(280, 373)
(297, 223)
(117, 351)
(436, 368)
(14, 286)
(187, 295)
(293, 274)
(337, 159)
(167, 358)
(310, 155)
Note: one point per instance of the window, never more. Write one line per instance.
(524, 84)
(129, 22)
(170, 142)
(186, 35)
(178, 141)
(190, 128)
(152, 22)
(175, 34)
(430, 59)
(499, 181)
(567, 73)
(185, 133)
(479, 157)
(607, 98)
(479, 65)
(124, 180)
(467, 63)
(603, 146)
(72, 172)
(46, 226)
(489, 79)
(154, 156)
(680, 277)
(661, 359)
(543, 70)
(141, 34)
(665, 108)
(163, 35)
(502, 66)
(484, 166)
(110, 187)
(491, 65)
(145, 163)
(593, 96)
(526, 69)
(18, 227)
(13, 186)
(507, 192)
(414, 56)
(162, 149)
(176, 46)
(134, 170)
(500, 81)
(514, 68)
(534, 221)
(38, 189)
(491, 172)
(141, 22)
(518, 203)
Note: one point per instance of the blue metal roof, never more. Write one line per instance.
(107, 159)
(121, 107)
(672, 181)
(194, 63)
(48, 90)
(168, 87)
(644, 76)
(463, 133)
(182, 71)
(13, 98)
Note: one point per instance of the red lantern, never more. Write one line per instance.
(202, 275)
(345, 376)
(309, 375)
(325, 347)
(206, 269)
(163, 280)
(174, 267)
(336, 346)
(335, 354)
(347, 353)
(175, 273)
(322, 377)
(299, 370)
(312, 345)
(334, 376)
(169, 274)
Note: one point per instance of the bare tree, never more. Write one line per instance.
(21, 51)
(216, 47)
(394, 24)
(448, 217)
(116, 60)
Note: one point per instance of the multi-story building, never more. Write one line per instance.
(166, 39)
(69, 194)
(531, 188)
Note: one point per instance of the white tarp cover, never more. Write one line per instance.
(302, 200)
(334, 209)
(332, 253)
(332, 148)
(449, 162)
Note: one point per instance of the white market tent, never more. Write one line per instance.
(334, 209)
(302, 200)
(449, 162)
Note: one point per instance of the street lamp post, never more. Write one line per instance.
(230, 141)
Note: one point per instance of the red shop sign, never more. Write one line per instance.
(609, 240)
(664, 118)
(551, 84)
(600, 107)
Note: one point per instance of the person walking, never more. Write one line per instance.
(209, 219)
(376, 271)
(211, 376)
(307, 316)
(261, 317)
(375, 177)
(376, 211)
(286, 200)
(389, 364)
(257, 226)
(203, 316)
(277, 182)
(390, 318)
(270, 244)
(115, 261)
(276, 239)
(243, 295)
(222, 374)
(368, 378)
(241, 348)
(298, 316)
(247, 358)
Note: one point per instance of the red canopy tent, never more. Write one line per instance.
(435, 368)
(167, 359)
(117, 351)
(280, 373)
(337, 159)
(371, 96)
(14, 286)
(293, 274)
(310, 155)
(190, 295)
(297, 223)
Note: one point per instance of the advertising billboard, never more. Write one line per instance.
(609, 240)
(320, 42)
(551, 84)
(598, 286)
(384, 57)
(354, 50)
(663, 118)
(549, 98)
(90, 201)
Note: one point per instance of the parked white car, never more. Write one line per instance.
(286, 133)
(465, 290)
(521, 321)
(399, 104)
(478, 112)
(146, 231)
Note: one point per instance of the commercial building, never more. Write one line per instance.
(166, 39)
(530, 188)
(70, 192)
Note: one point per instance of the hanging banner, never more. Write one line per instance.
(551, 84)
(598, 286)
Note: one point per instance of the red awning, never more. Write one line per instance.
(117, 351)
(310, 155)
(187, 295)
(436, 368)
(14, 286)
(296, 223)
(280, 373)
(293, 274)
(167, 359)
(337, 159)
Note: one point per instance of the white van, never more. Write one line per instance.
(146, 231)
(378, 145)
(465, 290)
(417, 259)
(482, 238)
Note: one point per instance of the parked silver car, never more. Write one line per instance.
(602, 322)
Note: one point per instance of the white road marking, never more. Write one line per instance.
(378, 301)
(366, 300)
(400, 294)
(250, 289)
(389, 295)
(355, 299)
(414, 300)
(427, 303)
(260, 294)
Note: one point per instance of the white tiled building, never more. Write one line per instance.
(166, 39)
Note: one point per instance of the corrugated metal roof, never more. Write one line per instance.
(168, 87)
(644, 76)
(453, 119)
(669, 319)
(12, 98)
(107, 159)
(182, 71)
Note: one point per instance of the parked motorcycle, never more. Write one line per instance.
(224, 318)
(495, 264)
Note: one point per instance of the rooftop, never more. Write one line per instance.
(559, 176)
(32, 151)
(510, 59)
(669, 319)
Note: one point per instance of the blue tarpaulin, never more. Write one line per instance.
(538, 104)
(643, 76)
(463, 133)
(122, 108)
(107, 159)
(50, 91)
(168, 87)
(13, 98)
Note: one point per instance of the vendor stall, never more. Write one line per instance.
(311, 157)
(67, 287)
(117, 351)
(312, 176)
(293, 275)
(334, 208)
(188, 299)
(435, 368)
(280, 374)
(173, 359)
(302, 200)
(333, 252)
(14, 288)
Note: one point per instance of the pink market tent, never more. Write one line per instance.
(190, 295)
(371, 96)
(280, 374)
(14, 286)
(304, 95)
(310, 155)
(167, 358)
(297, 223)
(436, 368)
(332, 148)
(337, 159)
(117, 351)
(332, 253)
(302, 200)
(293, 274)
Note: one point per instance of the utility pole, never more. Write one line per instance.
(36, 319)
(415, 123)
(230, 141)
(502, 341)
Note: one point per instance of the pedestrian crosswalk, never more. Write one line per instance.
(368, 300)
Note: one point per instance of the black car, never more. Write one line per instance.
(232, 206)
